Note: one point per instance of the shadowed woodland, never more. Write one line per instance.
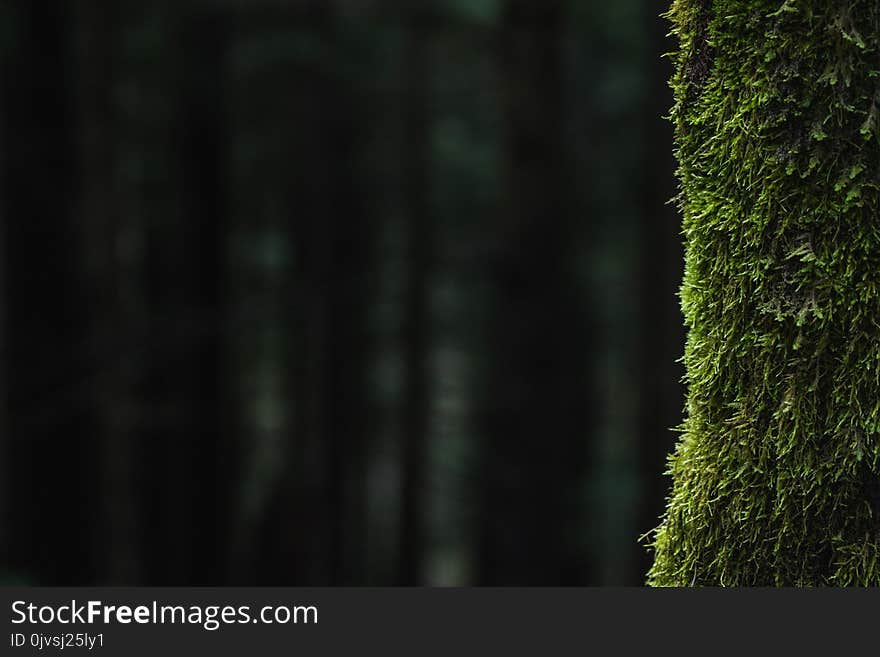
(318, 292)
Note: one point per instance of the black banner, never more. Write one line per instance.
(411, 621)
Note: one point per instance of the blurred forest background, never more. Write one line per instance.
(315, 292)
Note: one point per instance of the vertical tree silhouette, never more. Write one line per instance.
(6, 48)
(112, 332)
(190, 456)
(316, 527)
(416, 333)
(49, 434)
(535, 416)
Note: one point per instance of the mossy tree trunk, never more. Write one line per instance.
(776, 116)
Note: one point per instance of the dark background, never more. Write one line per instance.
(335, 291)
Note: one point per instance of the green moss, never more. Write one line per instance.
(778, 142)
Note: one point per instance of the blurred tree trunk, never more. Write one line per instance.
(50, 439)
(420, 230)
(6, 46)
(536, 416)
(333, 238)
(193, 465)
(111, 329)
(661, 329)
(206, 164)
(318, 533)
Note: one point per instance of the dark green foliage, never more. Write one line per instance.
(776, 115)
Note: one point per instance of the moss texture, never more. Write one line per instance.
(777, 115)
